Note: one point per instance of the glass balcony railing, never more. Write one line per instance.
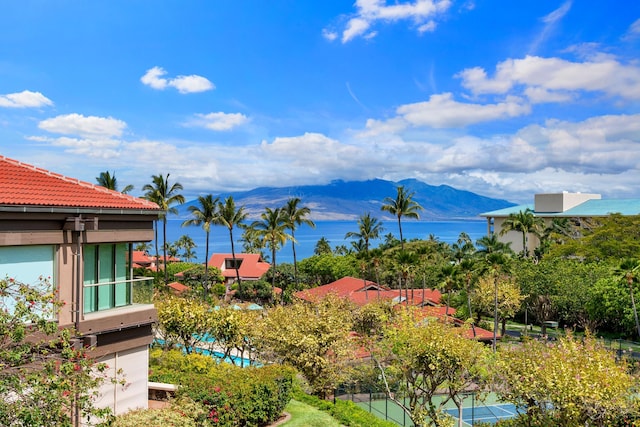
(105, 296)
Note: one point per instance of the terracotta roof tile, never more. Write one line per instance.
(22, 184)
(355, 290)
(252, 265)
(179, 287)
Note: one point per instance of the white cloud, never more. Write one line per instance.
(554, 74)
(371, 12)
(539, 95)
(429, 27)
(24, 99)
(191, 84)
(442, 111)
(77, 124)
(220, 121)
(153, 78)
(355, 27)
(599, 154)
(551, 21)
(329, 35)
(557, 14)
(185, 84)
(633, 31)
(91, 136)
(381, 127)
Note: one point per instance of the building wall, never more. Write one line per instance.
(515, 237)
(129, 368)
(123, 334)
(560, 202)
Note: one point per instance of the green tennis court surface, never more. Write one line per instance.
(486, 414)
(473, 411)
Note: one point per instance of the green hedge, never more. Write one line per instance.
(345, 411)
(233, 396)
(181, 413)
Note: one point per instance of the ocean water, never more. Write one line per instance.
(333, 231)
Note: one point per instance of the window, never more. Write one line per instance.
(232, 263)
(106, 277)
(27, 264)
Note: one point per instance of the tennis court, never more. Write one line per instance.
(485, 413)
(474, 411)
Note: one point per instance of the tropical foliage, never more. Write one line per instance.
(44, 377)
(231, 396)
(402, 205)
(428, 358)
(574, 382)
(166, 196)
(315, 339)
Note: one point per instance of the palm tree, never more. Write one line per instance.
(143, 247)
(450, 274)
(165, 196)
(405, 264)
(271, 229)
(496, 263)
(172, 249)
(462, 248)
(204, 214)
(490, 244)
(189, 253)
(322, 247)
(187, 244)
(106, 180)
(629, 269)
(467, 267)
(295, 216)
(368, 228)
(524, 222)
(251, 243)
(230, 217)
(402, 205)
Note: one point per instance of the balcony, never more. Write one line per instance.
(118, 305)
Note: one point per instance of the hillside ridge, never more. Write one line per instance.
(348, 200)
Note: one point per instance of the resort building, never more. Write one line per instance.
(557, 205)
(248, 266)
(80, 236)
(361, 292)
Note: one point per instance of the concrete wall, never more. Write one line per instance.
(560, 202)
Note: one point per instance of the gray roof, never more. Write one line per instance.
(593, 207)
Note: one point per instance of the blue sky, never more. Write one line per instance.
(505, 99)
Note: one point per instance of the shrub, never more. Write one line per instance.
(181, 413)
(169, 366)
(230, 395)
(345, 411)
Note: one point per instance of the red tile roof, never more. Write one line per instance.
(440, 313)
(421, 296)
(252, 266)
(362, 292)
(142, 258)
(347, 287)
(22, 184)
(178, 287)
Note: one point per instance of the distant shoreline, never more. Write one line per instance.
(333, 230)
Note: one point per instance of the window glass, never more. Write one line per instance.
(106, 264)
(26, 264)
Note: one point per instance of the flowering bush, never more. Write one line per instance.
(232, 396)
(43, 377)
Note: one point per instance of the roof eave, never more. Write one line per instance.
(78, 210)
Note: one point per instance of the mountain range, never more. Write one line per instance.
(348, 200)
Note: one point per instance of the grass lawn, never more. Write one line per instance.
(303, 415)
